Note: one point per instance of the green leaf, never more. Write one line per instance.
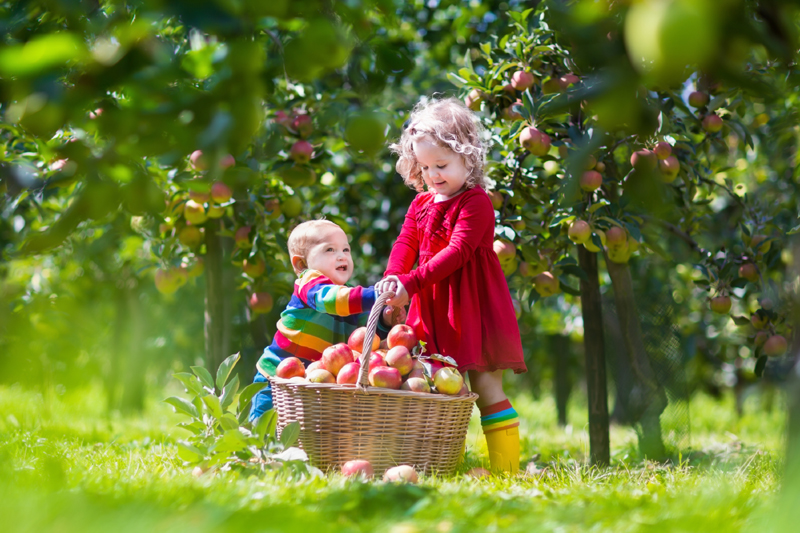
(52, 50)
(224, 370)
(183, 406)
(228, 392)
(228, 421)
(204, 375)
(761, 364)
(575, 270)
(189, 453)
(248, 393)
(190, 382)
(739, 283)
(793, 231)
(290, 434)
(230, 441)
(265, 424)
(601, 203)
(741, 320)
(212, 402)
(193, 427)
(468, 60)
(456, 80)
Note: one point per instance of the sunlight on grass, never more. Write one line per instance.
(67, 465)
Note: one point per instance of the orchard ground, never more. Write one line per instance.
(66, 466)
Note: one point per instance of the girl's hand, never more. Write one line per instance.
(385, 285)
(394, 315)
(400, 297)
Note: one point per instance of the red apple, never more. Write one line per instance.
(546, 284)
(775, 346)
(616, 238)
(669, 168)
(569, 79)
(194, 212)
(290, 367)
(348, 374)
(464, 390)
(522, 80)
(473, 99)
(477, 472)
(535, 141)
(242, 237)
(282, 118)
(698, 99)
(386, 377)
(253, 267)
(227, 161)
(198, 160)
(416, 385)
(497, 199)
(320, 375)
(337, 356)
(749, 272)
(356, 340)
(448, 381)
(579, 231)
(301, 151)
(400, 358)
(401, 474)
(644, 160)
(712, 123)
(315, 365)
(302, 125)
(721, 305)
(505, 250)
(591, 180)
(220, 192)
(760, 338)
(402, 335)
(357, 467)
(375, 361)
(261, 302)
(199, 197)
(662, 150)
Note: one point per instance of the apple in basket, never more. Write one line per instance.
(290, 367)
(376, 360)
(313, 366)
(402, 335)
(400, 358)
(416, 385)
(321, 375)
(348, 374)
(448, 381)
(357, 467)
(336, 356)
(356, 340)
(401, 474)
(385, 376)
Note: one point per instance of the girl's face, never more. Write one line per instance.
(443, 170)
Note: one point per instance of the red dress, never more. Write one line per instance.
(460, 303)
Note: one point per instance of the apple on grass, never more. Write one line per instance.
(357, 467)
(290, 367)
(401, 474)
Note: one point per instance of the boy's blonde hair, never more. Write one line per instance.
(306, 235)
(451, 125)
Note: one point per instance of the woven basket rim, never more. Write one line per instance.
(471, 397)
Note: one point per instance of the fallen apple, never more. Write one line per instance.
(401, 474)
(357, 467)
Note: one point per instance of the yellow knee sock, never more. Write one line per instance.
(503, 448)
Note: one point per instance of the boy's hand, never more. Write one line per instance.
(394, 315)
(392, 284)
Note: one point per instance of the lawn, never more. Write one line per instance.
(65, 466)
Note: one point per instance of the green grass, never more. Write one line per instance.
(65, 466)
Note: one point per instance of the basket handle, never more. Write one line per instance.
(372, 324)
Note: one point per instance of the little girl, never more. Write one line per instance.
(460, 303)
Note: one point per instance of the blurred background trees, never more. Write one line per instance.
(156, 154)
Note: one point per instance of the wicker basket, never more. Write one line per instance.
(387, 427)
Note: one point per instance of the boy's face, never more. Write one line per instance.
(331, 255)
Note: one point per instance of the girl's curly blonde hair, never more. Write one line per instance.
(451, 125)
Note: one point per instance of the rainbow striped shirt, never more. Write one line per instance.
(318, 315)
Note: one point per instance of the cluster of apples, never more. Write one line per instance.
(711, 122)
(395, 474)
(661, 158)
(392, 367)
(299, 125)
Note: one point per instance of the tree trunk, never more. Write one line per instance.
(648, 399)
(558, 345)
(218, 301)
(594, 347)
(617, 365)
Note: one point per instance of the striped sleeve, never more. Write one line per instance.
(323, 296)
